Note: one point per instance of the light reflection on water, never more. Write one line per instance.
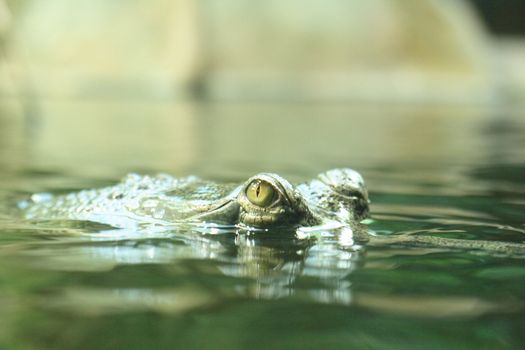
(180, 285)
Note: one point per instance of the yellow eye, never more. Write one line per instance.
(260, 193)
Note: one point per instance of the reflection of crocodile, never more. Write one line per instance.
(336, 199)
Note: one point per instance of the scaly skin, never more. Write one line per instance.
(164, 199)
(336, 198)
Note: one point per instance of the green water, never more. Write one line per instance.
(457, 173)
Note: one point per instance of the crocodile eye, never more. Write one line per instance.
(260, 193)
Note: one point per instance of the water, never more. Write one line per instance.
(457, 173)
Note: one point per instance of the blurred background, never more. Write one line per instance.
(381, 50)
(230, 87)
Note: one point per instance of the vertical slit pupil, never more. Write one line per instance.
(258, 190)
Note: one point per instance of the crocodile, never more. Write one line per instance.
(335, 200)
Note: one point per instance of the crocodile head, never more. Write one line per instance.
(268, 200)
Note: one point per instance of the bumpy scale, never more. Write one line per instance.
(337, 198)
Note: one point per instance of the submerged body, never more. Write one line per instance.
(337, 199)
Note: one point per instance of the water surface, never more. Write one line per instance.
(457, 173)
